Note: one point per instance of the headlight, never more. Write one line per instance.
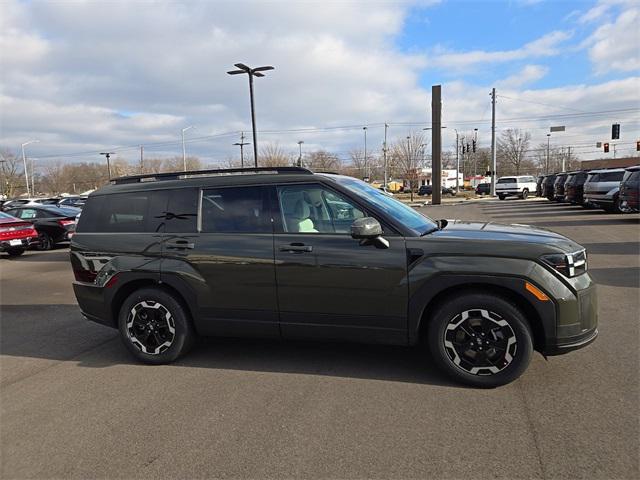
(570, 264)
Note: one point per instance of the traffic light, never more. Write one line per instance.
(615, 131)
(474, 146)
(606, 148)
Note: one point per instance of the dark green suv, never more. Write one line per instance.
(288, 253)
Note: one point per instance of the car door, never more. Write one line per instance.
(328, 284)
(226, 257)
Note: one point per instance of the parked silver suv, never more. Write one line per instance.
(602, 189)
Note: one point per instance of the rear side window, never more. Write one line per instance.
(507, 180)
(634, 177)
(135, 212)
(236, 210)
(611, 177)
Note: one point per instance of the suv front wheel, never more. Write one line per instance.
(154, 326)
(480, 339)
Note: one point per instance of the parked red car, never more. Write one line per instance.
(16, 235)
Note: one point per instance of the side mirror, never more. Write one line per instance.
(366, 228)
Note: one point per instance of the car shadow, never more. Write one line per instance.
(58, 332)
(59, 253)
(617, 276)
(609, 220)
(613, 248)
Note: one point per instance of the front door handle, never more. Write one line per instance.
(296, 248)
(180, 244)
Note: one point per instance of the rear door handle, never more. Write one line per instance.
(180, 244)
(296, 248)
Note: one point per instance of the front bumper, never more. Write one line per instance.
(577, 320)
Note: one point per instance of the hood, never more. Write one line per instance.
(513, 233)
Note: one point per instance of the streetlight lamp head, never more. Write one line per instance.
(263, 69)
(236, 72)
(242, 66)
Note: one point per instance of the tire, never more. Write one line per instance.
(501, 197)
(462, 317)
(148, 334)
(15, 252)
(525, 194)
(44, 241)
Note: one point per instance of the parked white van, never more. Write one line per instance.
(519, 186)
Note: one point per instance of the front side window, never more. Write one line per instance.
(236, 210)
(315, 209)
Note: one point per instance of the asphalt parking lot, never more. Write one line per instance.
(74, 404)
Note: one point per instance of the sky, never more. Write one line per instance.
(84, 77)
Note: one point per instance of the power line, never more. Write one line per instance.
(540, 103)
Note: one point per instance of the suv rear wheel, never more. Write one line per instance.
(154, 326)
(480, 339)
(525, 194)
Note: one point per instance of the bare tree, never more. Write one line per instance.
(408, 158)
(322, 161)
(11, 173)
(359, 162)
(511, 150)
(272, 155)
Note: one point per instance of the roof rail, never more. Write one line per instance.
(151, 177)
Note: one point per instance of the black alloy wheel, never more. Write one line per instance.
(480, 339)
(44, 241)
(154, 326)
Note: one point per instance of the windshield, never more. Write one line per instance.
(404, 214)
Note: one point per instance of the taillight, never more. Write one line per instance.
(66, 223)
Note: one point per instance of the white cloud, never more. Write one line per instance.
(616, 45)
(545, 46)
(526, 76)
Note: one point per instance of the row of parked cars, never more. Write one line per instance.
(614, 190)
(37, 223)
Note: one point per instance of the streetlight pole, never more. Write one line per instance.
(108, 156)
(251, 72)
(241, 144)
(366, 164)
(548, 144)
(300, 142)
(457, 162)
(184, 151)
(24, 161)
(384, 153)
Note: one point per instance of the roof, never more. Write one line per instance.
(212, 178)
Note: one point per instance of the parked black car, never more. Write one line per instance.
(547, 186)
(630, 190)
(483, 189)
(428, 190)
(574, 187)
(53, 224)
(558, 186)
(287, 253)
(76, 202)
(539, 185)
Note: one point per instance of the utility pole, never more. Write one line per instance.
(108, 156)
(436, 144)
(457, 163)
(384, 154)
(241, 144)
(493, 142)
(251, 72)
(141, 159)
(300, 142)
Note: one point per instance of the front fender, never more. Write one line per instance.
(438, 275)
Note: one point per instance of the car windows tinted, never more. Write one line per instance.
(236, 210)
(182, 211)
(125, 212)
(315, 209)
(634, 177)
(611, 176)
(507, 180)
